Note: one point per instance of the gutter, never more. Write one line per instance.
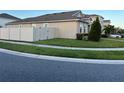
(32, 22)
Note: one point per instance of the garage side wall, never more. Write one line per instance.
(64, 29)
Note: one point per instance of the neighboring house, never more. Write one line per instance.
(91, 18)
(5, 18)
(106, 22)
(67, 25)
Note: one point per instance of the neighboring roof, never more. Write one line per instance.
(107, 21)
(4, 15)
(88, 16)
(51, 17)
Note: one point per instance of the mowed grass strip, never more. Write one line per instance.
(118, 55)
(104, 43)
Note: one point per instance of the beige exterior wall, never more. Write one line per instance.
(64, 29)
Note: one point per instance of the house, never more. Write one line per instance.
(56, 25)
(92, 18)
(68, 24)
(5, 18)
(106, 22)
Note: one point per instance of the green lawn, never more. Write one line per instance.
(117, 38)
(104, 43)
(64, 53)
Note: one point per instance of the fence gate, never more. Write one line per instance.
(44, 33)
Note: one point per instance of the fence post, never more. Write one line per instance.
(34, 34)
(20, 34)
(9, 33)
(0, 33)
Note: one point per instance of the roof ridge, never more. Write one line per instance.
(6, 15)
(53, 13)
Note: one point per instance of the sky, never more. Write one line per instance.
(116, 16)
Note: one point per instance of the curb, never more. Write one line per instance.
(65, 59)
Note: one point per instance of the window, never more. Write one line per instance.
(80, 29)
(84, 30)
(90, 19)
(45, 25)
(89, 28)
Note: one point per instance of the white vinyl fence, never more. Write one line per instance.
(27, 34)
(44, 33)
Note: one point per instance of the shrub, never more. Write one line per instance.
(104, 36)
(79, 36)
(108, 29)
(95, 32)
(85, 36)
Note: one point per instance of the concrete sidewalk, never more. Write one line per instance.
(61, 47)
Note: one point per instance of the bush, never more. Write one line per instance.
(108, 29)
(104, 36)
(122, 36)
(85, 36)
(79, 36)
(95, 32)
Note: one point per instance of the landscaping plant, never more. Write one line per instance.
(79, 36)
(108, 29)
(95, 31)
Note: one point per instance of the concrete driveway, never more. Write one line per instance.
(15, 68)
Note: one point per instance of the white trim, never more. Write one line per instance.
(64, 59)
(33, 22)
(76, 13)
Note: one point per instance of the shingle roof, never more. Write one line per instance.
(51, 17)
(54, 16)
(4, 15)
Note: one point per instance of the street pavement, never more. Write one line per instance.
(15, 68)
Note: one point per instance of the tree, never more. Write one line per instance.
(118, 30)
(95, 31)
(109, 29)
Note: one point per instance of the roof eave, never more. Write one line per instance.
(33, 22)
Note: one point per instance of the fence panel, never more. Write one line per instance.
(51, 33)
(4, 33)
(19, 34)
(26, 34)
(14, 34)
(44, 33)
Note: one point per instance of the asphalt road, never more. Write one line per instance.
(22, 69)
